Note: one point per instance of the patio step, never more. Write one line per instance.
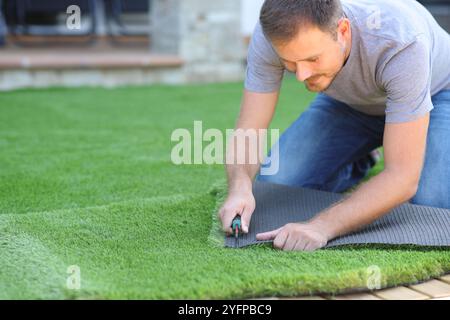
(84, 59)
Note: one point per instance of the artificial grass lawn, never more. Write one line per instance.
(86, 179)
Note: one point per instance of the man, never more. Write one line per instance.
(382, 71)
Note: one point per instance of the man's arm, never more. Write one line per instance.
(257, 110)
(404, 149)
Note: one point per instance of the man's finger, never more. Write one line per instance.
(290, 243)
(220, 213)
(245, 218)
(295, 248)
(280, 240)
(224, 217)
(269, 235)
(227, 219)
(299, 245)
(311, 247)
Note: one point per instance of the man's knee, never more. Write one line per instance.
(277, 178)
(296, 178)
(432, 196)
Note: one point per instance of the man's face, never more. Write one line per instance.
(315, 56)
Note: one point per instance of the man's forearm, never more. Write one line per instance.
(243, 159)
(370, 201)
(240, 176)
(257, 110)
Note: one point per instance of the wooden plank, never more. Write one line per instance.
(445, 298)
(445, 278)
(434, 288)
(355, 296)
(400, 293)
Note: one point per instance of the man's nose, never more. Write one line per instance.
(302, 74)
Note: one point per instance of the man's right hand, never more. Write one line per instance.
(237, 203)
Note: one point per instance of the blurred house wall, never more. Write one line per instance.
(206, 35)
(249, 15)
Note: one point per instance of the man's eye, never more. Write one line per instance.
(291, 69)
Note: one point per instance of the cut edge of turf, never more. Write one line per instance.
(216, 236)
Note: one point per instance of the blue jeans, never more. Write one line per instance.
(327, 148)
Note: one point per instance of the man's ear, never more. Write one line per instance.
(343, 27)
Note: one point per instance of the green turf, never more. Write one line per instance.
(86, 179)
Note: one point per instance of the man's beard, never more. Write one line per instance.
(344, 50)
(315, 88)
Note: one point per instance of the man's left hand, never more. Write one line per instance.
(296, 236)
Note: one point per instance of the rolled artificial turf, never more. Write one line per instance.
(86, 180)
(406, 224)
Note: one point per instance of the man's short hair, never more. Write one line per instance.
(281, 20)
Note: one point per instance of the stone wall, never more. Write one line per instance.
(205, 34)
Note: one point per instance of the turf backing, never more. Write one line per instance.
(86, 179)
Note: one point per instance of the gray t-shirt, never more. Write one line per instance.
(400, 57)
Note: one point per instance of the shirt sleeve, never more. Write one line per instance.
(407, 81)
(264, 72)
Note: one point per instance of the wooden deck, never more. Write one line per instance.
(436, 289)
